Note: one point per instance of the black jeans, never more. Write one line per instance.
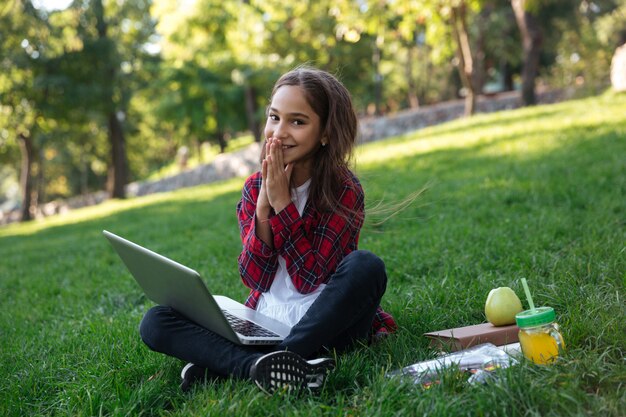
(340, 316)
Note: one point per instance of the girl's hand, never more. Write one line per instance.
(263, 204)
(276, 176)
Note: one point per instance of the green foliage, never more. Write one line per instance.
(186, 73)
(582, 61)
(21, 44)
(582, 57)
(611, 26)
(66, 71)
(535, 193)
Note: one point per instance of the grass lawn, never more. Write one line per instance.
(537, 193)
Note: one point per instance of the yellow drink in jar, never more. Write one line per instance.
(539, 347)
(539, 335)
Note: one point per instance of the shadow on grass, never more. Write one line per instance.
(167, 215)
(485, 120)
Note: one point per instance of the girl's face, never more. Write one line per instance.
(292, 120)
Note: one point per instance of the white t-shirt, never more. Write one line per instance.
(283, 302)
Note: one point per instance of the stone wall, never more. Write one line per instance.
(236, 164)
(377, 128)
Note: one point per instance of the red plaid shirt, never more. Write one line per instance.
(312, 245)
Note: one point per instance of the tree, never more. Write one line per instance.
(543, 23)
(86, 97)
(610, 22)
(458, 16)
(448, 24)
(211, 71)
(383, 29)
(94, 73)
(532, 39)
(118, 168)
(201, 104)
(21, 47)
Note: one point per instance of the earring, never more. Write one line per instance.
(323, 144)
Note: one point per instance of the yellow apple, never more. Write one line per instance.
(502, 305)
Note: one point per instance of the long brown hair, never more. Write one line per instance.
(332, 102)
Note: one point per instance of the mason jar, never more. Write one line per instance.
(539, 335)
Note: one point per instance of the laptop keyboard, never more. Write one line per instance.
(246, 327)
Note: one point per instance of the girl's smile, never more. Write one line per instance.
(292, 120)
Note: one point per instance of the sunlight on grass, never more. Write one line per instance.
(523, 133)
(520, 133)
(199, 193)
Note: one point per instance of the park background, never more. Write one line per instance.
(534, 192)
(97, 94)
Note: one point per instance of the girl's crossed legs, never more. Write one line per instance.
(341, 316)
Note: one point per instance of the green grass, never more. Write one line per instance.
(537, 193)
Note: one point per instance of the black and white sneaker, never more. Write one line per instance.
(192, 374)
(287, 371)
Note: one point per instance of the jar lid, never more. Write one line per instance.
(536, 317)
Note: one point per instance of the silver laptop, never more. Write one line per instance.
(171, 284)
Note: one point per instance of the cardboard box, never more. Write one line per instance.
(464, 337)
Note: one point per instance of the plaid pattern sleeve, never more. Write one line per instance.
(383, 323)
(257, 261)
(312, 257)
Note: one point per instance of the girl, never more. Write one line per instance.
(299, 219)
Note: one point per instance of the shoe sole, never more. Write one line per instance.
(287, 371)
(185, 369)
(193, 374)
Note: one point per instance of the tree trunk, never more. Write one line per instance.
(221, 140)
(198, 145)
(117, 174)
(464, 54)
(412, 88)
(378, 78)
(84, 174)
(251, 109)
(507, 76)
(26, 177)
(532, 39)
(39, 194)
(118, 168)
(480, 70)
